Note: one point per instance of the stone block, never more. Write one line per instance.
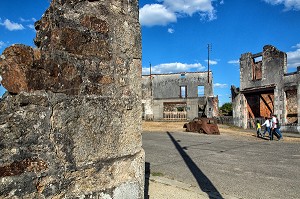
(70, 124)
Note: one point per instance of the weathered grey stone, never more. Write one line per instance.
(162, 96)
(70, 124)
(267, 88)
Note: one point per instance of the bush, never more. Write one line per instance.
(226, 109)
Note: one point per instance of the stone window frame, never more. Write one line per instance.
(256, 60)
(183, 91)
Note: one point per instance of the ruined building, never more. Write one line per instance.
(179, 96)
(70, 121)
(266, 88)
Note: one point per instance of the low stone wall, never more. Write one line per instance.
(225, 120)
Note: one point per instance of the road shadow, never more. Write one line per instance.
(263, 138)
(204, 183)
(147, 178)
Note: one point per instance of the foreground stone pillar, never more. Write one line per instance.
(70, 124)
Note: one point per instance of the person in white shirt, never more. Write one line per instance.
(268, 127)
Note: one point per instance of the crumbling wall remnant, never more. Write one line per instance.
(183, 95)
(265, 89)
(291, 106)
(70, 123)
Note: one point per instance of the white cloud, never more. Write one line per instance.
(288, 4)
(156, 14)
(191, 7)
(31, 26)
(28, 20)
(296, 46)
(11, 25)
(171, 30)
(169, 10)
(218, 85)
(173, 68)
(293, 58)
(2, 44)
(24, 20)
(212, 62)
(234, 62)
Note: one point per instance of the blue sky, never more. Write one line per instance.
(175, 33)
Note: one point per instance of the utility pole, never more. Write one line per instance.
(208, 50)
(150, 80)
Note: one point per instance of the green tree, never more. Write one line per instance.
(226, 109)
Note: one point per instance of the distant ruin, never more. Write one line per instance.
(266, 88)
(178, 96)
(71, 119)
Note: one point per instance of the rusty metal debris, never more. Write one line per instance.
(203, 125)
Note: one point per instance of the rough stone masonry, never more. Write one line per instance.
(70, 123)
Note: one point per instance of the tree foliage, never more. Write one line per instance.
(226, 109)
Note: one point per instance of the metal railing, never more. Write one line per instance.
(176, 115)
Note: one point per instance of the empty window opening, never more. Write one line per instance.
(200, 91)
(174, 110)
(257, 68)
(201, 110)
(180, 108)
(291, 106)
(257, 59)
(183, 91)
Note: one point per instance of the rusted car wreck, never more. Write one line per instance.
(203, 125)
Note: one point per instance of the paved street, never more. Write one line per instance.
(226, 165)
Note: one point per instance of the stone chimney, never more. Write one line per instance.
(71, 119)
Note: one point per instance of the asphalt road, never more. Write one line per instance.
(226, 165)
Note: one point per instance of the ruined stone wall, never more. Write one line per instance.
(165, 89)
(167, 86)
(272, 67)
(258, 78)
(292, 99)
(298, 97)
(70, 122)
(147, 97)
(268, 90)
(291, 108)
(213, 104)
(239, 110)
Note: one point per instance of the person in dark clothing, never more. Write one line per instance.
(275, 129)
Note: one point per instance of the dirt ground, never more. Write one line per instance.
(224, 129)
